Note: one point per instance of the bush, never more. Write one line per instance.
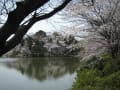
(111, 81)
(86, 80)
(90, 77)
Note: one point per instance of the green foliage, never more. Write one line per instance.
(40, 33)
(70, 40)
(111, 81)
(56, 34)
(50, 40)
(95, 74)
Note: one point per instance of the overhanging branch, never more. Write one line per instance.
(54, 11)
(21, 31)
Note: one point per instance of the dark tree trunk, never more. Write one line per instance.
(15, 17)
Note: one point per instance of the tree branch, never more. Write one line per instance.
(22, 30)
(50, 14)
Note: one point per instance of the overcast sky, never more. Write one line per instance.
(53, 24)
(49, 25)
(41, 25)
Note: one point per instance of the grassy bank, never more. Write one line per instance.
(98, 74)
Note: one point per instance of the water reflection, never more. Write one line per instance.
(44, 68)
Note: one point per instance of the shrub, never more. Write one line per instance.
(90, 77)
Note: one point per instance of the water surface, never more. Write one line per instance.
(54, 73)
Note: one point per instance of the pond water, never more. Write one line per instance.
(55, 73)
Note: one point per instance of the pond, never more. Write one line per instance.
(54, 73)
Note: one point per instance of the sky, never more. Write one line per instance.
(56, 23)
(41, 25)
(53, 24)
(48, 25)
